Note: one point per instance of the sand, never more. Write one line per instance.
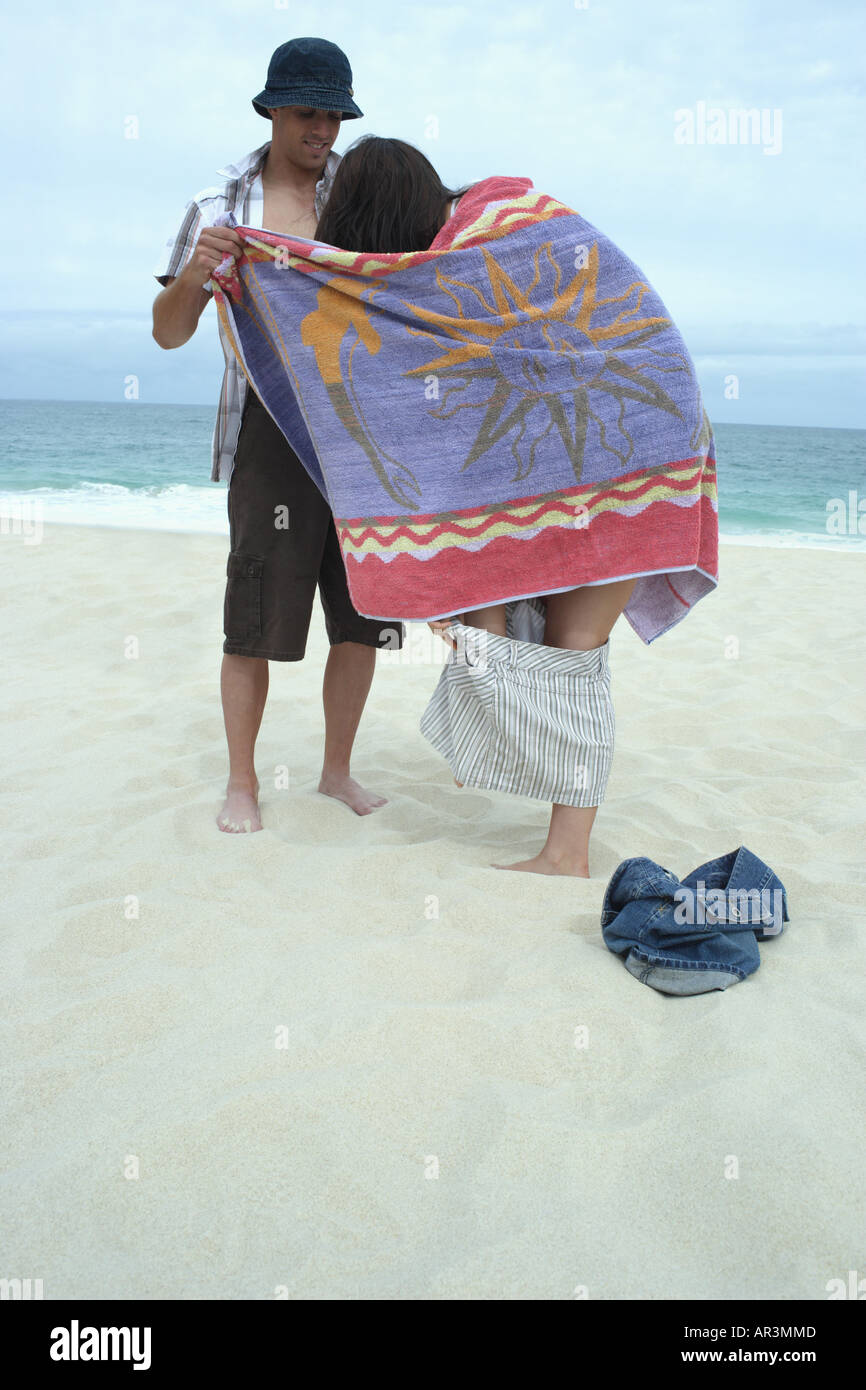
(343, 1058)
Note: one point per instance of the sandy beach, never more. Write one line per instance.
(345, 1058)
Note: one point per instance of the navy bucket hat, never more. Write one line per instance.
(309, 72)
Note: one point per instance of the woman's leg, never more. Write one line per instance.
(491, 619)
(581, 619)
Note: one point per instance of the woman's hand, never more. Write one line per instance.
(441, 625)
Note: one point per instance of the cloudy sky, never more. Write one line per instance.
(756, 248)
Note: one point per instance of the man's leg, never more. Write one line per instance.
(348, 677)
(271, 584)
(349, 671)
(244, 689)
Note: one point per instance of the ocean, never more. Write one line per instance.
(148, 467)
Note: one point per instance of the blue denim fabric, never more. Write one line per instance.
(696, 934)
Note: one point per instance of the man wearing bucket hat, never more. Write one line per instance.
(273, 571)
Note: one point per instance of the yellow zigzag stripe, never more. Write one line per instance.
(518, 209)
(564, 516)
(521, 509)
(569, 500)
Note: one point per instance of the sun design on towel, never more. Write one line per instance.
(554, 366)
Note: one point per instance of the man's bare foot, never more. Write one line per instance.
(345, 788)
(548, 864)
(457, 784)
(240, 812)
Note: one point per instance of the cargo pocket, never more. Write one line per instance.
(242, 610)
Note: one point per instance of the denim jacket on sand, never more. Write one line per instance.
(696, 934)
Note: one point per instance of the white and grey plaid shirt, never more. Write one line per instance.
(242, 195)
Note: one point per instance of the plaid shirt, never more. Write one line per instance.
(242, 195)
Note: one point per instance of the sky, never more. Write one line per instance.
(755, 244)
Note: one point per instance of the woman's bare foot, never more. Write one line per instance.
(545, 863)
(566, 850)
(344, 788)
(240, 812)
(457, 784)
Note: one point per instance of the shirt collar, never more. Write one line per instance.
(251, 164)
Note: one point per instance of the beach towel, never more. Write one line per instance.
(508, 414)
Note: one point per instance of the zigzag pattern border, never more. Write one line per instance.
(631, 495)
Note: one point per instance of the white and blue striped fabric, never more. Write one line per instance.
(515, 716)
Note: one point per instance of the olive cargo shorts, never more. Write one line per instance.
(273, 571)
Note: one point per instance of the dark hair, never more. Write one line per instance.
(386, 196)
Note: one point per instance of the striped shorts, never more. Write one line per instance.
(515, 716)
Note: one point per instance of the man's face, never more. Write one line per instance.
(305, 135)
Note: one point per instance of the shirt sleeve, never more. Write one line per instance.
(179, 248)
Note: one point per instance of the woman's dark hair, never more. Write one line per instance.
(386, 196)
